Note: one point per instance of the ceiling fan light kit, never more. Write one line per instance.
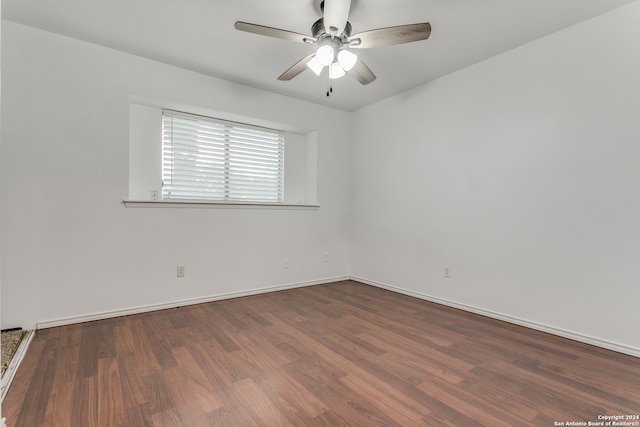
(315, 66)
(347, 59)
(336, 71)
(325, 55)
(332, 35)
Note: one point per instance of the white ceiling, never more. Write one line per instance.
(199, 35)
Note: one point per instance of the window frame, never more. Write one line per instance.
(242, 161)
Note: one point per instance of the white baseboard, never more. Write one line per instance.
(7, 378)
(620, 348)
(154, 307)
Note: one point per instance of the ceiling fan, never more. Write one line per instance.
(332, 35)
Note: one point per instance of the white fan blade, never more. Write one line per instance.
(270, 31)
(296, 68)
(390, 36)
(336, 14)
(362, 73)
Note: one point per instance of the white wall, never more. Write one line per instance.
(521, 173)
(72, 249)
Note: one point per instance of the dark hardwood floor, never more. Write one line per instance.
(342, 354)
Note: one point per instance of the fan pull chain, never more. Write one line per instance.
(329, 87)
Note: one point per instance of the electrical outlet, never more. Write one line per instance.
(446, 271)
(285, 263)
(180, 271)
(155, 195)
(326, 257)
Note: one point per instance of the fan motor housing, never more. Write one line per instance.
(318, 31)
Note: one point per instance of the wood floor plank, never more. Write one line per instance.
(108, 386)
(190, 375)
(340, 354)
(391, 403)
(131, 384)
(485, 411)
(296, 395)
(158, 395)
(61, 399)
(138, 416)
(34, 406)
(84, 408)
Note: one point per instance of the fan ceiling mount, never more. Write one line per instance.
(332, 36)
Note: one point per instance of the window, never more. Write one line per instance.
(209, 159)
(154, 172)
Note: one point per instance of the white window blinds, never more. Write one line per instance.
(210, 159)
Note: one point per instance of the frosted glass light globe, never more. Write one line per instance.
(325, 55)
(315, 66)
(336, 71)
(347, 59)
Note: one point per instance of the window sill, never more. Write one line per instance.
(212, 205)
